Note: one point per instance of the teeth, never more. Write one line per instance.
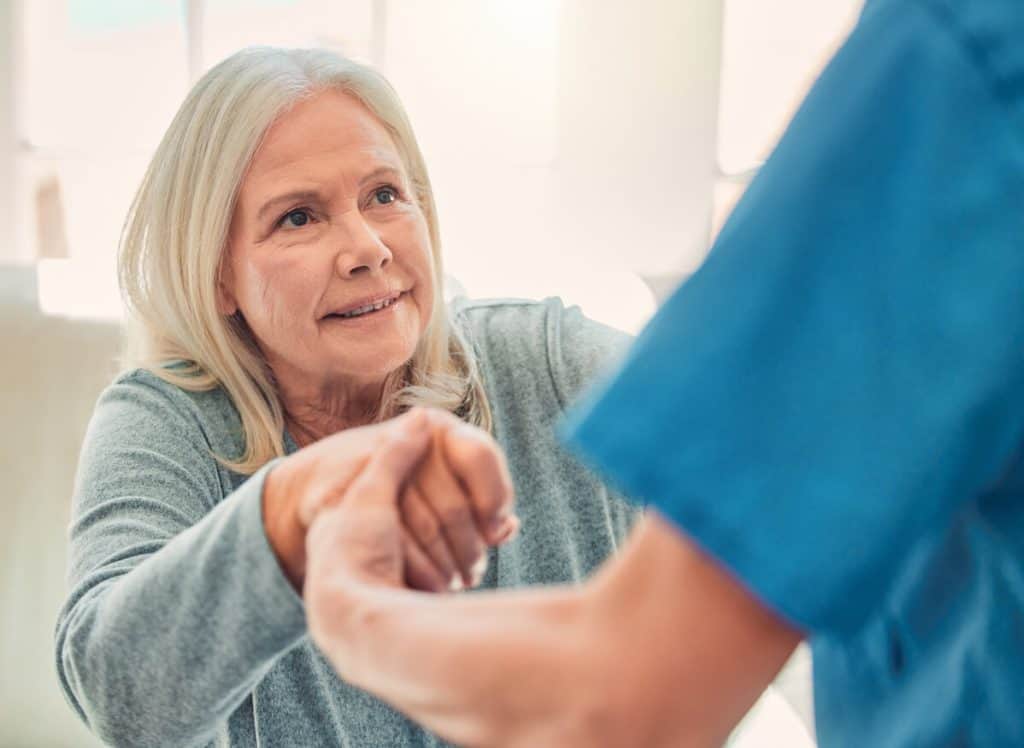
(367, 309)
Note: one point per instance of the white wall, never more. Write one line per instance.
(638, 112)
(10, 249)
(595, 163)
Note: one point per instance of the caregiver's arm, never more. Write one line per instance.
(660, 648)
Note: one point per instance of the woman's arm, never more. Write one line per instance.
(177, 607)
(661, 648)
(182, 602)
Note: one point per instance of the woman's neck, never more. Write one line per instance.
(311, 416)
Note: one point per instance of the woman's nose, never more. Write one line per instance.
(360, 250)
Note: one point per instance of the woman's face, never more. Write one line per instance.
(329, 254)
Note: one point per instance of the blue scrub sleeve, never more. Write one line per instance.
(845, 373)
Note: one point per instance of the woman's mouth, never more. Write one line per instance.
(367, 309)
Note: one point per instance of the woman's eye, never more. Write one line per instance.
(385, 195)
(295, 218)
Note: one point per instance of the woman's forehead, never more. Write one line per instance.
(329, 130)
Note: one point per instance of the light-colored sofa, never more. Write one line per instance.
(51, 371)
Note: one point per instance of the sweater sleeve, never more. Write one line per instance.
(582, 351)
(579, 349)
(177, 606)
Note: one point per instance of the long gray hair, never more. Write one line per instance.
(176, 232)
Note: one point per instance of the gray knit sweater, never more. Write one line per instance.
(179, 627)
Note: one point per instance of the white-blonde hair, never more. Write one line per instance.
(174, 239)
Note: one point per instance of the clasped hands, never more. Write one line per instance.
(412, 502)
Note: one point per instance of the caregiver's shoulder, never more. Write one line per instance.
(529, 334)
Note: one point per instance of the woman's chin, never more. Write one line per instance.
(368, 349)
(374, 363)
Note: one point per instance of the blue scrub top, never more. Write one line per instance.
(833, 404)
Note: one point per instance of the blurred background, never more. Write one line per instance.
(588, 149)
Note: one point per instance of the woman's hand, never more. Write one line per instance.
(360, 537)
(456, 504)
(357, 543)
(449, 513)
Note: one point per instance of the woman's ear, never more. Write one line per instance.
(226, 303)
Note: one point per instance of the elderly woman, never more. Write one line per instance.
(282, 265)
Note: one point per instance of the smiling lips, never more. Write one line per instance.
(365, 306)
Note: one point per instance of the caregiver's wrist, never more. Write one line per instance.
(348, 610)
(284, 531)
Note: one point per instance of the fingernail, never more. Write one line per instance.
(478, 571)
(456, 584)
(504, 528)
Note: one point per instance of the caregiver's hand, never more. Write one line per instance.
(448, 514)
(356, 545)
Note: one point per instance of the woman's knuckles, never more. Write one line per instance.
(456, 516)
(427, 530)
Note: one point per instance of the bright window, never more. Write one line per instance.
(103, 78)
(481, 80)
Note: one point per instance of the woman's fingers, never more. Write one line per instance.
(478, 464)
(362, 535)
(424, 528)
(444, 496)
(420, 571)
(448, 483)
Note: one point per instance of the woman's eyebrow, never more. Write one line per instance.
(296, 196)
(380, 172)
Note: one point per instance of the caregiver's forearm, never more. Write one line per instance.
(662, 647)
(514, 668)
